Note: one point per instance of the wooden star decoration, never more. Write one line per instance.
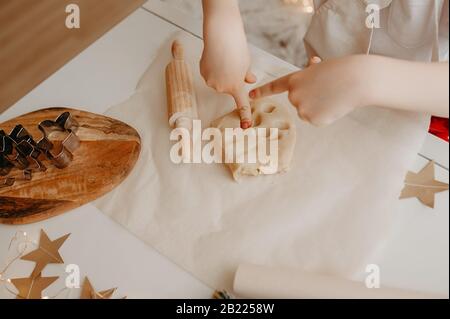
(32, 287)
(46, 253)
(88, 292)
(423, 186)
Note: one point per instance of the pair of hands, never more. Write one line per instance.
(322, 93)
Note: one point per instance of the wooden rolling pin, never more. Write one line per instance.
(181, 98)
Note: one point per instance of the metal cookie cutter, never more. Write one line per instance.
(11, 157)
(5, 165)
(59, 152)
(9, 151)
(28, 148)
(5, 169)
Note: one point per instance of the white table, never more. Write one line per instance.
(417, 257)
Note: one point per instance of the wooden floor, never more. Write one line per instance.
(34, 40)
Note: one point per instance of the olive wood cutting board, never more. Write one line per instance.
(108, 152)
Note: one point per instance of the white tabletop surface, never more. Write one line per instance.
(416, 257)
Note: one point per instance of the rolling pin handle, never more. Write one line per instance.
(177, 50)
(184, 122)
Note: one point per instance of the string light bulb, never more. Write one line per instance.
(22, 247)
(18, 256)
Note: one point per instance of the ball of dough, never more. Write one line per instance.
(268, 114)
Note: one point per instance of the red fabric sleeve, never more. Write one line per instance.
(439, 127)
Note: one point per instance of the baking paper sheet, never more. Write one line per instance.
(329, 214)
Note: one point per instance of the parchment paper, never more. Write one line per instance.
(327, 215)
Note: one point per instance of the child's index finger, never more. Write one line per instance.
(275, 87)
(243, 106)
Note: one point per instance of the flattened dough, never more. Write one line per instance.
(266, 113)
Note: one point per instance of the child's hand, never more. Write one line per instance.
(325, 91)
(225, 61)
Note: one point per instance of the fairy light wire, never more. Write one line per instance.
(21, 252)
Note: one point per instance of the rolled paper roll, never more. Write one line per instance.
(258, 282)
(181, 98)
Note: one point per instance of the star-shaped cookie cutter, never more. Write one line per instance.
(59, 152)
